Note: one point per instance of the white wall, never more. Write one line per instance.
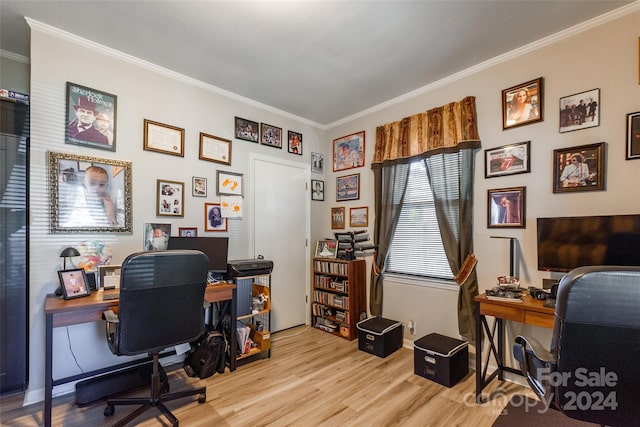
(143, 92)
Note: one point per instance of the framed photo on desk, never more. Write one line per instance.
(109, 276)
(74, 283)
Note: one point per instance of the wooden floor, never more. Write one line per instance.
(312, 379)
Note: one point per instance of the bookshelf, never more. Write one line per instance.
(338, 296)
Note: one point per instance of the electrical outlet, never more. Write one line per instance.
(411, 325)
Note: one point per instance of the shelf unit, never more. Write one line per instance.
(338, 296)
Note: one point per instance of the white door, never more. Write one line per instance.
(281, 234)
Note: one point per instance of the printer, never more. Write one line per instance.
(248, 267)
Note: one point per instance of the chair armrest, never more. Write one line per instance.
(533, 346)
(110, 316)
(112, 330)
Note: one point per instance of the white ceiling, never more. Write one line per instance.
(322, 61)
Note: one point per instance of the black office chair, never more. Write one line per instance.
(592, 372)
(161, 305)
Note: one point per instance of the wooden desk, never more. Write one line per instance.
(60, 312)
(530, 311)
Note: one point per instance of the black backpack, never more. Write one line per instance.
(207, 356)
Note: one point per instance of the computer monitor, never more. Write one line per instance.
(216, 248)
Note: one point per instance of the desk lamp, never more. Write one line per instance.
(69, 252)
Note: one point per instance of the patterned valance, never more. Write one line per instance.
(450, 127)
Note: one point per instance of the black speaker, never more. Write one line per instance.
(91, 280)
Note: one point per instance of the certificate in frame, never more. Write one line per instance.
(215, 149)
(163, 138)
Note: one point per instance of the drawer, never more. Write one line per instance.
(539, 319)
(504, 312)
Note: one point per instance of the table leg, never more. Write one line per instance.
(234, 335)
(48, 370)
(479, 379)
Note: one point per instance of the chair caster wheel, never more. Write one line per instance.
(109, 410)
(202, 398)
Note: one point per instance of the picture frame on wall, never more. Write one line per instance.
(213, 220)
(79, 203)
(163, 138)
(523, 104)
(348, 187)
(198, 186)
(317, 163)
(506, 208)
(295, 142)
(348, 151)
(188, 231)
(74, 283)
(317, 190)
(338, 218)
(247, 130)
(215, 149)
(169, 198)
(91, 117)
(509, 159)
(156, 236)
(580, 111)
(270, 135)
(633, 135)
(359, 217)
(229, 183)
(580, 168)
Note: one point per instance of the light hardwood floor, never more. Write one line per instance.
(312, 379)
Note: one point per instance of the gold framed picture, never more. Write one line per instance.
(163, 138)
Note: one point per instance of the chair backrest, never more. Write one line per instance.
(597, 345)
(161, 300)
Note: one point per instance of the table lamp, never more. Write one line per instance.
(68, 253)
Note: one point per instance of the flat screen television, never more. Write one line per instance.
(216, 248)
(565, 243)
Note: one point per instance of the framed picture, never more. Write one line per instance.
(348, 187)
(295, 142)
(317, 163)
(337, 218)
(579, 168)
(91, 117)
(633, 135)
(156, 236)
(89, 194)
(215, 149)
(522, 104)
(74, 283)
(198, 186)
(507, 160)
(169, 198)
(359, 217)
(317, 190)
(247, 129)
(580, 111)
(213, 220)
(163, 138)
(506, 208)
(188, 231)
(109, 276)
(270, 135)
(348, 152)
(326, 248)
(229, 183)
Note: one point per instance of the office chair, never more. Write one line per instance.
(592, 372)
(161, 305)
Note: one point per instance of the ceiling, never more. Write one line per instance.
(321, 61)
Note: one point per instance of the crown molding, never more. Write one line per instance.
(14, 57)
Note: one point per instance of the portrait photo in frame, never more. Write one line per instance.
(348, 151)
(170, 198)
(270, 135)
(359, 217)
(506, 208)
(295, 142)
(229, 183)
(156, 236)
(348, 187)
(79, 200)
(247, 130)
(215, 149)
(317, 190)
(523, 104)
(337, 218)
(74, 283)
(163, 138)
(317, 163)
(109, 276)
(507, 160)
(326, 248)
(213, 220)
(198, 186)
(91, 117)
(580, 168)
(188, 231)
(633, 135)
(580, 111)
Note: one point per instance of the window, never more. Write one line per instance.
(416, 248)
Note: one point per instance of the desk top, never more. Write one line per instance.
(530, 310)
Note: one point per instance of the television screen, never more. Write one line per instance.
(216, 248)
(565, 243)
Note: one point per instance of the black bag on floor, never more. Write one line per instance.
(207, 356)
